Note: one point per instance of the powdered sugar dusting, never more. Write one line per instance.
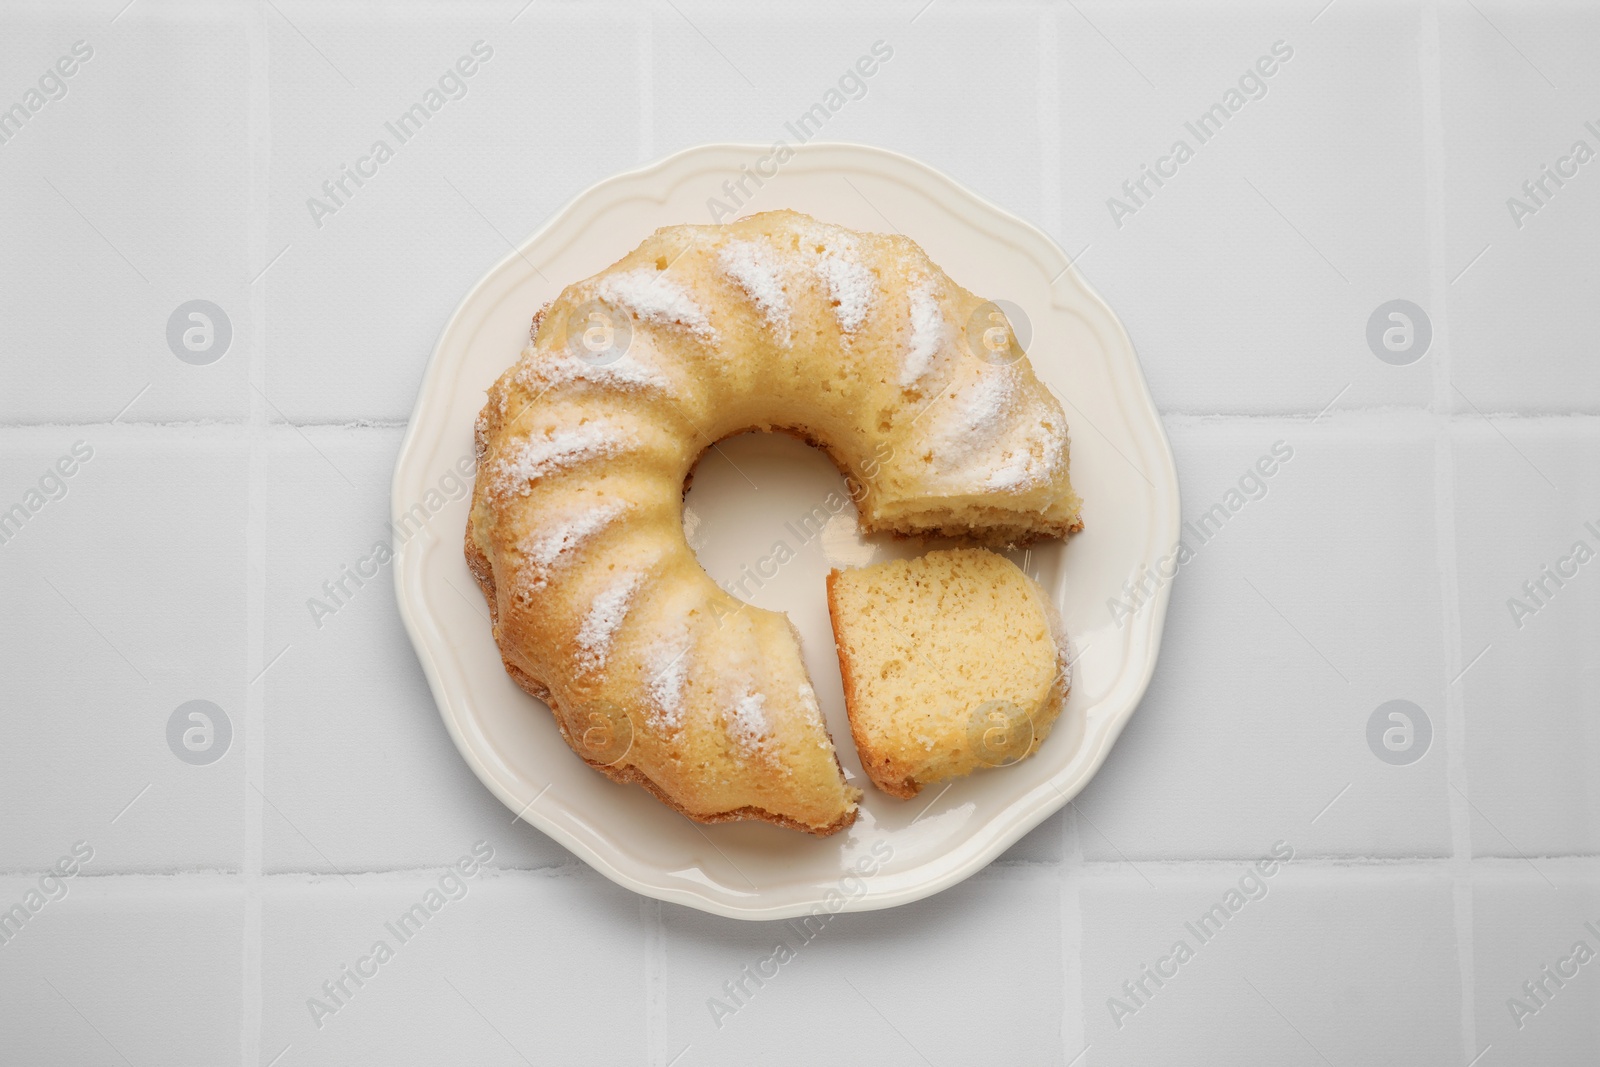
(811, 712)
(984, 408)
(605, 617)
(808, 702)
(658, 299)
(666, 666)
(542, 370)
(995, 437)
(1034, 460)
(1011, 474)
(965, 441)
(531, 458)
(851, 285)
(753, 266)
(543, 548)
(749, 726)
(928, 333)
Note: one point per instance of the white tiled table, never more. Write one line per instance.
(219, 498)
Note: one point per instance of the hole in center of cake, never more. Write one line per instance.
(768, 516)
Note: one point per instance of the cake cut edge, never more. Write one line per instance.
(882, 767)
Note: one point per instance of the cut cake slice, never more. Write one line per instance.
(952, 662)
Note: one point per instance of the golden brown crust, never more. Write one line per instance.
(483, 572)
(536, 629)
(994, 537)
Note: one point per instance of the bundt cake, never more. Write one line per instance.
(952, 662)
(852, 341)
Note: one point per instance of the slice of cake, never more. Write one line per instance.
(952, 662)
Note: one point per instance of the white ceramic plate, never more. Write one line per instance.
(750, 495)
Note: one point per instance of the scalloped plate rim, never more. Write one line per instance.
(1008, 825)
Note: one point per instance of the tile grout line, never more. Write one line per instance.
(1074, 1009)
(260, 157)
(1431, 80)
(655, 993)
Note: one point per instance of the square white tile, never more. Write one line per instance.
(1516, 104)
(1270, 969)
(1536, 940)
(127, 970)
(137, 194)
(1300, 613)
(125, 601)
(1526, 495)
(359, 298)
(360, 773)
(860, 75)
(1247, 276)
(505, 968)
(730, 993)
